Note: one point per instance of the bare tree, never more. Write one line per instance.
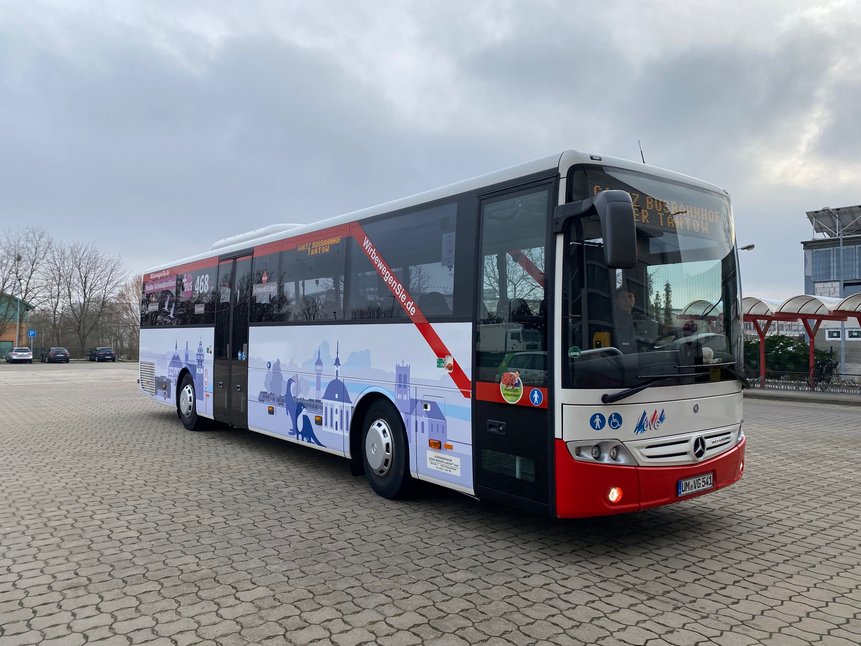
(129, 314)
(56, 270)
(90, 286)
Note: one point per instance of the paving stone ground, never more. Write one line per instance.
(119, 527)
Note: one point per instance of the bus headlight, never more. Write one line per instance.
(604, 451)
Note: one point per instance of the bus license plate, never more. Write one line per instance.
(696, 484)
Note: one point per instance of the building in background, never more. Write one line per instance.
(9, 308)
(832, 258)
(832, 268)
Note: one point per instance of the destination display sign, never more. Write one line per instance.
(318, 247)
(663, 206)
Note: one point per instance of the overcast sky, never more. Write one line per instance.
(155, 128)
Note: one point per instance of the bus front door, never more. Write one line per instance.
(511, 432)
(230, 387)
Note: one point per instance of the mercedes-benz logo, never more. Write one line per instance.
(699, 448)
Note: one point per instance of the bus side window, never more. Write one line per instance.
(419, 249)
(312, 281)
(265, 288)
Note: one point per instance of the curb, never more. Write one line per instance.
(837, 399)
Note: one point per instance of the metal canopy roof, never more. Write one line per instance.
(850, 304)
(843, 220)
(802, 306)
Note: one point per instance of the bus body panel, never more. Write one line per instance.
(583, 489)
(165, 353)
(305, 383)
(651, 417)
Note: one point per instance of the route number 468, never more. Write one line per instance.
(201, 284)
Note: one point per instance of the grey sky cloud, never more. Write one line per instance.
(159, 127)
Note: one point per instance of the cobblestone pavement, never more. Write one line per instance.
(119, 527)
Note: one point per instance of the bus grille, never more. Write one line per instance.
(147, 373)
(678, 449)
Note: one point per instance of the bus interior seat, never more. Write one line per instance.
(519, 307)
(433, 303)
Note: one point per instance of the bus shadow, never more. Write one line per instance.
(667, 528)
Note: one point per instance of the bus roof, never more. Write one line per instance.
(560, 163)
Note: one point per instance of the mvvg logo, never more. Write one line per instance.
(647, 423)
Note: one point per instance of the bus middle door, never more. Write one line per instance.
(230, 391)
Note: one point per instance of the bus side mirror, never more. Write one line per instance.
(616, 213)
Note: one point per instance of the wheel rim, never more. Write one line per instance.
(186, 400)
(379, 447)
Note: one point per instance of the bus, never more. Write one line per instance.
(564, 336)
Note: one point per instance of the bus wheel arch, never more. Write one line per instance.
(186, 402)
(378, 441)
(357, 422)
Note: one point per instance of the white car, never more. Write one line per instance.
(19, 355)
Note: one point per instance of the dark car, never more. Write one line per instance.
(55, 355)
(19, 355)
(102, 354)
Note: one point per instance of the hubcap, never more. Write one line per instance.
(378, 447)
(186, 401)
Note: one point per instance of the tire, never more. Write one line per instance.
(385, 454)
(186, 405)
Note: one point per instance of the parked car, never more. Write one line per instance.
(19, 355)
(55, 355)
(102, 354)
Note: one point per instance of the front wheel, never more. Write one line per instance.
(186, 405)
(384, 451)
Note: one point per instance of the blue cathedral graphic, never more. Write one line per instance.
(167, 385)
(334, 406)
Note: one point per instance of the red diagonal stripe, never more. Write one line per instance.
(403, 298)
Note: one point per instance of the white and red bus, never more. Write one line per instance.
(564, 336)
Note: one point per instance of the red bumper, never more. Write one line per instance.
(582, 489)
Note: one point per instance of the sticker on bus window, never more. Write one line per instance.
(511, 387)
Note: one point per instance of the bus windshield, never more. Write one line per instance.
(675, 317)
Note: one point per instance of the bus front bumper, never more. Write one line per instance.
(584, 489)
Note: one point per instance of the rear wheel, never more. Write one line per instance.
(384, 451)
(186, 405)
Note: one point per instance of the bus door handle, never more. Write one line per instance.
(221, 384)
(495, 426)
(239, 387)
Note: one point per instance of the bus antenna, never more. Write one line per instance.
(643, 157)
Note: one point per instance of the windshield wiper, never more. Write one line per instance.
(654, 380)
(607, 398)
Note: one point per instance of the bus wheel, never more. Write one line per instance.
(384, 451)
(186, 405)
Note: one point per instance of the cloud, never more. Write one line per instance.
(159, 127)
